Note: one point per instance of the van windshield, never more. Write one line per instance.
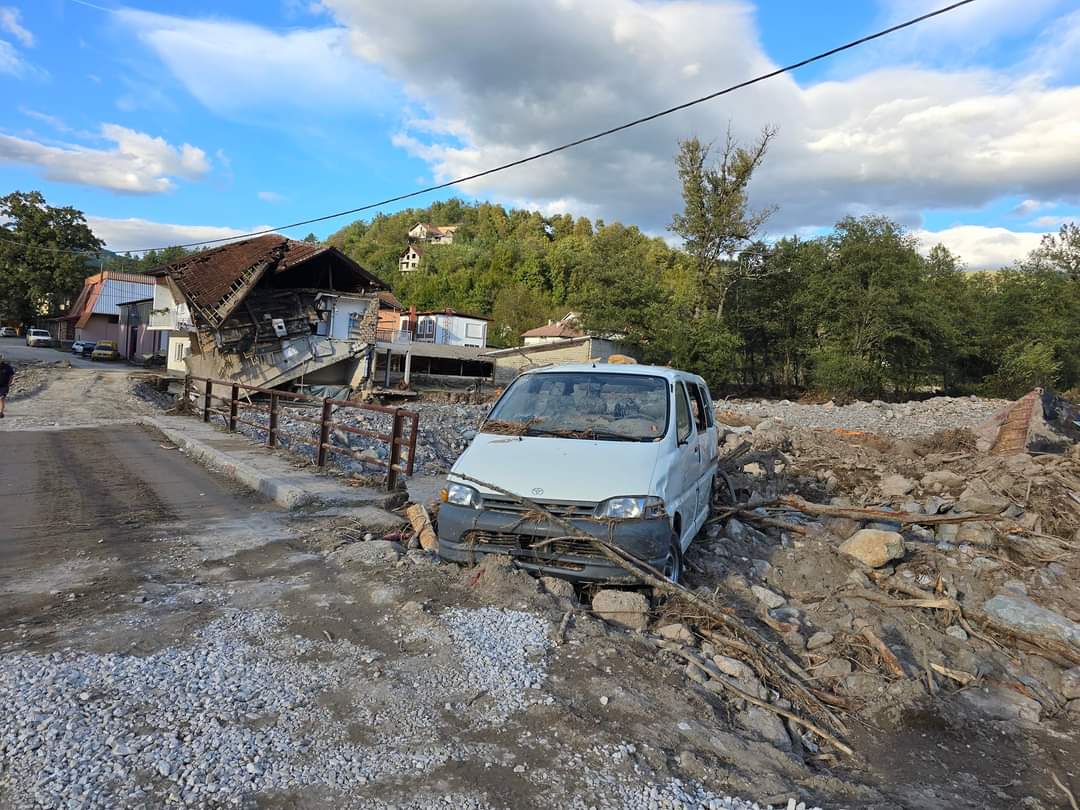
(583, 405)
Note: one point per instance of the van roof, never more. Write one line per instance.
(666, 372)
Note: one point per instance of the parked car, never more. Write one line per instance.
(105, 350)
(83, 347)
(8, 331)
(38, 337)
(625, 453)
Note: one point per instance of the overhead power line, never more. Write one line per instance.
(588, 138)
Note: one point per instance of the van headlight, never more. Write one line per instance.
(631, 507)
(461, 495)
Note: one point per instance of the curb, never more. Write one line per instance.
(288, 491)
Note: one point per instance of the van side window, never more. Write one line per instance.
(706, 403)
(698, 406)
(682, 413)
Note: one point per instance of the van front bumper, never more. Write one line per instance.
(466, 535)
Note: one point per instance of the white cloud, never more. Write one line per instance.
(137, 163)
(53, 121)
(1029, 207)
(9, 21)
(982, 247)
(895, 140)
(121, 235)
(1053, 221)
(10, 61)
(270, 196)
(235, 68)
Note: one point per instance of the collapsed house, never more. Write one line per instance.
(269, 311)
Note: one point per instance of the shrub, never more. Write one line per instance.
(1024, 366)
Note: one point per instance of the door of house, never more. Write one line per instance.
(133, 340)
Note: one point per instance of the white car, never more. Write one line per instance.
(8, 331)
(38, 337)
(627, 453)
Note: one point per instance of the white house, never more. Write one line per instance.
(434, 234)
(565, 328)
(448, 328)
(409, 261)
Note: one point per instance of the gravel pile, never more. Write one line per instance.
(218, 722)
(499, 650)
(903, 420)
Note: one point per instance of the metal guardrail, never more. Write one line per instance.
(400, 438)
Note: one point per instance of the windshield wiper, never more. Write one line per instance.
(610, 434)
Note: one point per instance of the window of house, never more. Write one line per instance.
(426, 328)
(474, 330)
(683, 427)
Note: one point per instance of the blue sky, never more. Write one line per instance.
(168, 121)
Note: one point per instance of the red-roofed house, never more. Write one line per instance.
(95, 315)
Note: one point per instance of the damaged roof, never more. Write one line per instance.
(215, 281)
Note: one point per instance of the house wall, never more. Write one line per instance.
(170, 311)
(450, 330)
(115, 291)
(99, 327)
(350, 318)
(179, 348)
(509, 366)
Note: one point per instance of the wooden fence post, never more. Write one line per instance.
(324, 432)
(395, 451)
(206, 400)
(271, 438)
(234, 402)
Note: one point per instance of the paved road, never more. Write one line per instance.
(16, 351)
(82, 509)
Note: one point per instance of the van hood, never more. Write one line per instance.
(565, 469)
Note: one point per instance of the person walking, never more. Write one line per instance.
(7, 372)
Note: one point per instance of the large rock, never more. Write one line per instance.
(623, 608)
(896, 486)
(765, 725)
(979, 498)
(676, 632)
(998, 703)
(873, 547)
(942, 481)
(769, 435)
(769, 598)
(376, 520)
(373, 552)
(1070, 683)
(977, 533)
(1015, 610)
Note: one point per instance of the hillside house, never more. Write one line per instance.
(433, 234)
(95, 315)
(270, 310)
(135, 339)
(409, 260)
(555, 343)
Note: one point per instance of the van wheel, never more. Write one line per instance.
(673, 562)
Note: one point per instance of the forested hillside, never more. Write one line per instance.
(855, 312)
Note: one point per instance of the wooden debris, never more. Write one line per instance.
(421, 522)
(807, 508)
(779, 669)
(962, 678)
(887, 655)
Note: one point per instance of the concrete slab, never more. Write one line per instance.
(261, 469)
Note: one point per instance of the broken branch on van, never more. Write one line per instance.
(783, 673)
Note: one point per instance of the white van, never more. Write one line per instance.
(625, 452)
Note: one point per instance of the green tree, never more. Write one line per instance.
(716, 220)
(312, 239)
(45, 254)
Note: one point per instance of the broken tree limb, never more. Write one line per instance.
(887, 655)
(725, 683)
(942, 603)
(854, 513)
(781, 669)
(1065, 790)
(421, 522)
(962, 678)
(967, 615)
